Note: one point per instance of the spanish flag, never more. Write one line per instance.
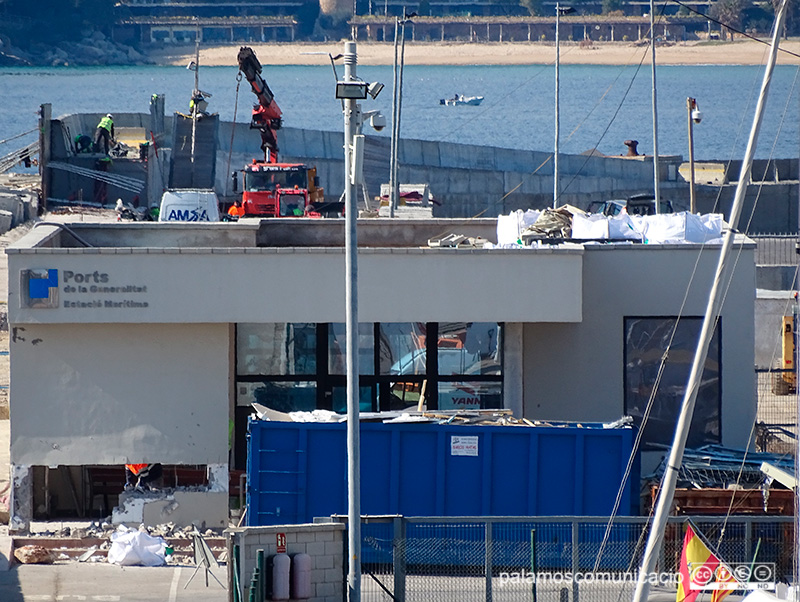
(700, 570)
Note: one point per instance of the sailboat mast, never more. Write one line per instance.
(668, 483)
(656, 190)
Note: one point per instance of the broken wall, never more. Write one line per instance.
(115, 393)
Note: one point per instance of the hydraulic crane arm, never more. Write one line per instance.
(266, 114)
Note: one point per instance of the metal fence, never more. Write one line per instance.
(776, 417)
(775, 249)
(544, 559)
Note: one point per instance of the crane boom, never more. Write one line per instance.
(266, 115)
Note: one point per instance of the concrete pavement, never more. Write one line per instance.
(110, 583)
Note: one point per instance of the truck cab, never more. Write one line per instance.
(280, 190)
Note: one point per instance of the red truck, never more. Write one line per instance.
(273, 189)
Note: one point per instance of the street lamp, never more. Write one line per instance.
(560, 10)
(693, 116)
(397, 105)
(349, 91)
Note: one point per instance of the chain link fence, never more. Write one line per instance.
(545, 559)
(776, 419)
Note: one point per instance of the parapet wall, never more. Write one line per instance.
(324, 542)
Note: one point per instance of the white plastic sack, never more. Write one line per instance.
(130, 547)
(511, 226)
(508, 229)
(623, 226)
(664, 228)
(703, 228)
(590, 227)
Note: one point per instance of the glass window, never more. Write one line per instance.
(646, 340)
(282, 396)
(402, 348)
(468, 348)
(337, 349)
(470, 395)
(276, 349)
(340, 399)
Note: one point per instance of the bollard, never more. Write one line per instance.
(280, 577)
(301, 577)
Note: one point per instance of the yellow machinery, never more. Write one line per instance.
(785, 381)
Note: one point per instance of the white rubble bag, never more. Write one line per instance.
(130, 547)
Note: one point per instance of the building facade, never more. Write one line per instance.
(148, 342)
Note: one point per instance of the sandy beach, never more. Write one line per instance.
(745, 52)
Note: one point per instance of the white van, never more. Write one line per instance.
(189, 205)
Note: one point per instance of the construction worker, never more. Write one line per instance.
(142, 476)
(236, 209)
(104, 133)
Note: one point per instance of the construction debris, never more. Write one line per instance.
(33, 554)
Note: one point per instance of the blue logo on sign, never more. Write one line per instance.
(39, 288)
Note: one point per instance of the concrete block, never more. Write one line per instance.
(305, 537)
(334, 547)
(6, 552)
(323, 561)
(315, 548)
(325, 590)
(332, 575)
(325, 535)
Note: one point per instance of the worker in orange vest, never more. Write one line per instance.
(141, 476)
(236, 209)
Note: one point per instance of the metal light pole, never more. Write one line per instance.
(560, 10)
(656, 191)
(351, 122)
(555, 154)
(392, 151)
(397, 108)
(693, 116)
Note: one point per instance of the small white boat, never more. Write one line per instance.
(460, 99)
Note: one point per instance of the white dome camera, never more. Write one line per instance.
(378, 122)
(697, 116)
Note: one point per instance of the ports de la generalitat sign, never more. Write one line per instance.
(47, 288)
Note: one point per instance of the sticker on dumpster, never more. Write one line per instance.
(280, 540)
(464, 446)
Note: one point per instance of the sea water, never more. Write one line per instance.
(600, 106)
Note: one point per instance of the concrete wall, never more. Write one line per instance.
(467, 180)
(324, 542)
(117, 393)
(592, 351)
(204, 285)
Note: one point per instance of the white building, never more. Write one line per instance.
(137, 342)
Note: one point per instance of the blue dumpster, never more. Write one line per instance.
(297, 471)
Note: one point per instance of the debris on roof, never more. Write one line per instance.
(519, 229)
(718, 466)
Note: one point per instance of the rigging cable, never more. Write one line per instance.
(233, 126)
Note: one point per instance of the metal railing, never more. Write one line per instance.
(544, 559)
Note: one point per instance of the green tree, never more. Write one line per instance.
(730, 14)
(790, 26)
(49, 21)
(534, 7)
(610, 6)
